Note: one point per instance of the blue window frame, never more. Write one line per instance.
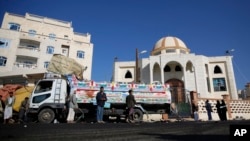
(50, 50)
(32, 32)
(14, 26)
(80, 54)
(3, 61)
(52, 36)
(46, 64)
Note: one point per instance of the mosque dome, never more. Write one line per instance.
(171, 45)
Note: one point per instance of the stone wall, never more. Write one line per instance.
(236, 109)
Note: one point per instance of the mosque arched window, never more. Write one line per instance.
(177, 68)
(128, 74)
(167, 68)
(189, 67)
(217, 69)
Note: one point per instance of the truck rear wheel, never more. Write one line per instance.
(138, 115)
(46, 115)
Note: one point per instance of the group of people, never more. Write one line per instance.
(6, 108)
(221, 110)
(101, 98)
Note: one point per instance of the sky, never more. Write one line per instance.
(118, 27)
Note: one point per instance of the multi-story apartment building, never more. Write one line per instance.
(27, 43)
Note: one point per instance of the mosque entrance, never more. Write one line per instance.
(179, 97)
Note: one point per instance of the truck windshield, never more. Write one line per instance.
(44, 86)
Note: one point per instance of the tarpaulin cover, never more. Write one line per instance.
(63, 65)
(20, 95)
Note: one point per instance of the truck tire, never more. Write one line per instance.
(138, 115)
(46, 115)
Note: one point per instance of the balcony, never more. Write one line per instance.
(25, 65)
(28, 51)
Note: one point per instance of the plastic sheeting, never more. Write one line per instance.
(19, 91)
(63, 65)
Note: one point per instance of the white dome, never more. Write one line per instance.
(170, 45)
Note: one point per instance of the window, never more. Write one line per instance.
(44, 86)
(80, 54)
(28, 64)
(170, 50)
(208, 85)
(183, 51)
(3, 61)
(167, 69)
(50, 50)
(4, 43)
(14, 26)
(177, 68)
(46, 64)
(65, 51)
(128, 74)
(32, 32)
(66, 37)
(217, 69)
(219, 84)
(40, 98)
(33, 47)
(52, 36)
(157, 53)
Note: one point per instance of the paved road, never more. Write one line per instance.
(157, 131)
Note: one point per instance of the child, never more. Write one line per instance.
(196, 115)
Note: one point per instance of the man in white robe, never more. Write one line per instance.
(72, 106)
(8, 111)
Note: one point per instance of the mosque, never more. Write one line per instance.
(172, 63)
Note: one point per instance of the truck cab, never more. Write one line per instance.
(48, 98)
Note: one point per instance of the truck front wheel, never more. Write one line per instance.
(46, 115)
(138, 115)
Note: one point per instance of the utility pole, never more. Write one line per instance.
(136, 66)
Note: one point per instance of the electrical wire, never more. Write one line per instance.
(242, 75)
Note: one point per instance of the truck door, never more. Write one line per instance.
(42, 93)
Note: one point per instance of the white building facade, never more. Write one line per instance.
(28, 42)
(171, 62)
